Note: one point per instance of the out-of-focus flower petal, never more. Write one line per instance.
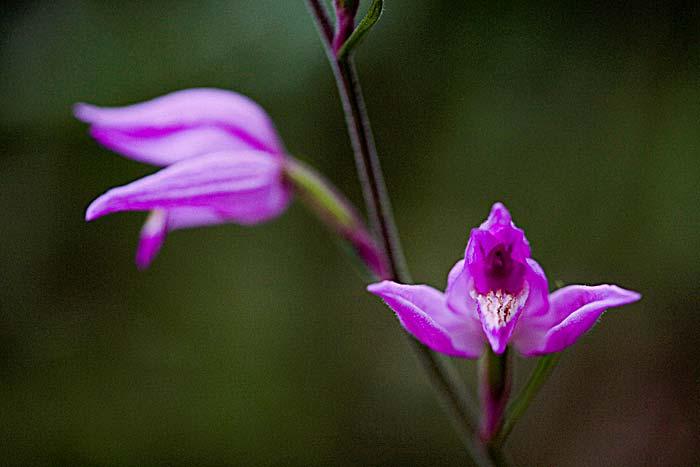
(573, 310)
(151, 239)
(423, 312)
(181, 125)
(240, 186)
(161, 222)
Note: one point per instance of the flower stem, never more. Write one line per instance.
(381, 219)
(544, 368)
(495, 381)
(368, 168)
(334, 210)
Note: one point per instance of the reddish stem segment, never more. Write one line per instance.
(495, 381)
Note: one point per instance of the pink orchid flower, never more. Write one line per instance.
(223, 157)
(499, 294)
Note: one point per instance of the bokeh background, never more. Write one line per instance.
(259, 346)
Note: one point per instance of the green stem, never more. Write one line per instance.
(369, 170)
(336, 212)
(382, 222)
(497, 457)
(544, 368)
(495, 381)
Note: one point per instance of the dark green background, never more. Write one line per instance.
(259, 346)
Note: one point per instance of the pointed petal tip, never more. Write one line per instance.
(499, 214)
(423, 312)
(102, 205)
(626, 295)
(378, 287)
(497, 341)
(85, 112)
(91, 213)
(95, 209)
(498, 347)
(574, 310)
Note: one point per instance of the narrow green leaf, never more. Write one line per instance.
(370, 19)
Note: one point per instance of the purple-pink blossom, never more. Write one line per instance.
(499, 295)
(222, 155)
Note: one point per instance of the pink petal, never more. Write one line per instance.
(189, 217)
(245, 187)
(459, 299)
(499, 216)
(152, 237)
(499, 312)
(160, 222)
(573, 310)
(457, 293)
(423, 312)
(538, 299)
(182, 124)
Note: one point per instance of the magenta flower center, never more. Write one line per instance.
(499, 262)
(496, 270)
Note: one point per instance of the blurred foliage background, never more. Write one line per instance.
(259, 346)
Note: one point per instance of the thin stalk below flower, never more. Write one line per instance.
(334, 210)
(495, 380)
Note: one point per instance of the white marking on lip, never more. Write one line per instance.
(498, 307)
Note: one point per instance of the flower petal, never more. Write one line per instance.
(538, 298)
(457, 293)
(151, 238)
(483, 246)
(459, 299)
(181, 125)
(242, 186)
(499, 312)
(500, 224)
(499, 216)
(573, 310)
(423, 312)
(496, 254)
(160, 222)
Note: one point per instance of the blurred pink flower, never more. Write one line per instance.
(223, 155)
(498, 294)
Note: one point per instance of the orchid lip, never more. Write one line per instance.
(499, 307)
